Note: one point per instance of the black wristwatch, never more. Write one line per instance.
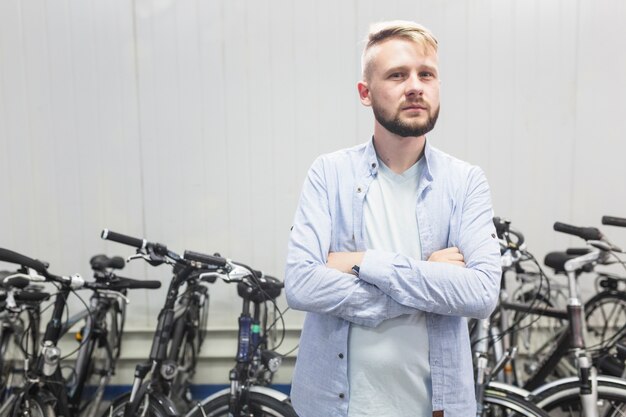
(356, 270)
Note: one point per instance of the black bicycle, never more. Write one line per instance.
(155, 396)
(45, 391)
(20, 315)
(587, 394)
(249, 394)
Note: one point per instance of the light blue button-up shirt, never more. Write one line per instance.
(453, 208)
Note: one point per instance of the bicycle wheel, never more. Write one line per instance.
(505, 404)
(260, 405)
(5, 361)
(33, 407)
(605, 314)
(564, 400)
(11, 362)
(147, 408)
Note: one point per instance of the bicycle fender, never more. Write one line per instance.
(277, 395)
(500, 386)
(569, 380)
(165, 402)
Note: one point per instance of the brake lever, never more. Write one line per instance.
(137, 256)
(151, 258)
(604, 246)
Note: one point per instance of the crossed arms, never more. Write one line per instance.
(461, 280)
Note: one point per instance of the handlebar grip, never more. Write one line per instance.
(278, 283)
(17, 282)
(136, 284)
(31, 296)
(16, 258)
(501, 227)
(577, 251)
(123, 239)
(614, 221)
(205, 259)
(586, 233)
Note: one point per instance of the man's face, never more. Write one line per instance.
(402, 87)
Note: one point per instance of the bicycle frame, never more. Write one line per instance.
(162, 364)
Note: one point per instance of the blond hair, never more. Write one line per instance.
(396, 29)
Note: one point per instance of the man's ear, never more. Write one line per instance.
(364, 93)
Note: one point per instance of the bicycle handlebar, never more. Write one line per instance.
(16, 258)
(135, 284)
(501, 225)
(124, 239)
(586, 233)
(205, 259)
(614, 221)
(17, 282)
(577, 251)
(27, 296)
(503, 229)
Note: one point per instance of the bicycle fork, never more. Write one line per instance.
(588, 386)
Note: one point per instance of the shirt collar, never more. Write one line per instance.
(370, 161)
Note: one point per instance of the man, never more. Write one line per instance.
(392, 247)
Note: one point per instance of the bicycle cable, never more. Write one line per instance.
(542, 278)
(28, 328)
(268, 298)
(82, 342)
(531, 305)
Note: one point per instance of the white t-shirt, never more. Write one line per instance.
(388, 366)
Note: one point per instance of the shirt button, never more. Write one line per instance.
(358, 190)
(341, 356)
(341, 396)
(374, 165)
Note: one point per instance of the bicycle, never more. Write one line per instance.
(536, 335)
(589, 393)
(255, 366)
(20, 315)
(45, 391)
(153, 398)
(490, 400)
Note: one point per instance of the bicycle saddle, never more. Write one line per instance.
(261, 289)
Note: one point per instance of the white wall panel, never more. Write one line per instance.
(193, 122)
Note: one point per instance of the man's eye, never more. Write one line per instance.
(396, 75)
(426, 74)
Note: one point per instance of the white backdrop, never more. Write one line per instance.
(193, 122)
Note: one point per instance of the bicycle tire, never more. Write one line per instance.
(499, 404)
(604, 322)
(5, 362)
(261, 405)
(117, 407)
(37, 407)
(564, 400)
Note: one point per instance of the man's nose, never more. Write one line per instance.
(414, 85)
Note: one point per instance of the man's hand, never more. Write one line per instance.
(449, 255)
(344, 261)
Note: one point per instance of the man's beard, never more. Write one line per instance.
(402, 128)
